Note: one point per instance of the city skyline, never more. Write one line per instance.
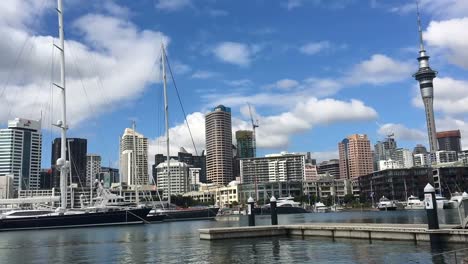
(304, 80)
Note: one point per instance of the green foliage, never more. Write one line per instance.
(349, 199)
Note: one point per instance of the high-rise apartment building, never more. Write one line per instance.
(78, 147)
(179, 178)
(218, 133)
(419, 149)
(280, 167)
(404, 157)
(134, 158)
(355, 156)
(245, 146)
(449, 140)
(20, 153)
(185, 157)
(93, 168)
(332, 167)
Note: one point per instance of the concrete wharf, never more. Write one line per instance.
(406, 232)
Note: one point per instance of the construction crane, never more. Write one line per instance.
(254, 126)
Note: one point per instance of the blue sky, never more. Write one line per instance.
(314, 71)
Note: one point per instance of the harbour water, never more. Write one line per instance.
(178, 242)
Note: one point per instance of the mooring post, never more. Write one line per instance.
(274, 212)
(431, 207)
(250, 211)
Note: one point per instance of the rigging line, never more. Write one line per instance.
(36, 98)
(81, 80)
(180, 102)
(10, 106)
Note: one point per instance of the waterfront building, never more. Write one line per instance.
(421, 160)
(310, 172)
(355, 156)
(245, 144)
(383, 150)
(194, 176)
(264, 191)
(404, 157)
(325, 186)
(46, 179)
(134, 158)
(218, 135)
(450, 179)
(425, 76)
(420, 149)
(179, 178)
(78, 147)
(227, 195)
(109, 176)
(449, 140)
(395, 184)
(389, 164)
(446, 156)
(20, 153)
(93, 168)
(463, 157)
(271, 168)
(332, 167)
(185, 157)
(6, 186)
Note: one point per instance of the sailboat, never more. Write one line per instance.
(194, 213)
(64, 217)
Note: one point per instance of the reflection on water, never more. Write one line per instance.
(178, 242)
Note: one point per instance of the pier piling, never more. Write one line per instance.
(251, 211)
(274, 212)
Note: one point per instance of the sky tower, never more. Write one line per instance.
(424, 76)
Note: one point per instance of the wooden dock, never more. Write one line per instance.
(407, 232)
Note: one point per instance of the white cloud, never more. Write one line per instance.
(324, 155)
(235, 53)
(449, 35)
(313, 48)
(181, 68)
(283, 84)
(291, 4)
(240, 83)
(204, 74)
(439, 8)
(172, 5)
(321, 87)
(275, 130)
(217, 12)
(450, 96)
(401, 132)
(100, 63)
(380, 69)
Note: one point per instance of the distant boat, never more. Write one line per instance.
(284, 205)
(413, 203)
(456, 199)
(321, 208)
(386, 205)
(443, 203)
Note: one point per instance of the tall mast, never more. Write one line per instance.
(166, 112)
(62, 163)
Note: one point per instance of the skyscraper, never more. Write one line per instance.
(93, 168)
(78, 147)
(218, 133)
(134, 158)
(355, 156)
(425, 75)
(245, 147)
(449, 140)
(20, 153)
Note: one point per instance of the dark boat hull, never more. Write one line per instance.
(280, 210)
(187, 214)
(118, 217)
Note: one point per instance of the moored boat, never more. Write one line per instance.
(413, 203)
(284, 205)
(386, 205)
(321, 208)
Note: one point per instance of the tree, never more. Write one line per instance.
(348, 199)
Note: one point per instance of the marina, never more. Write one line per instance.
(157, 243)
